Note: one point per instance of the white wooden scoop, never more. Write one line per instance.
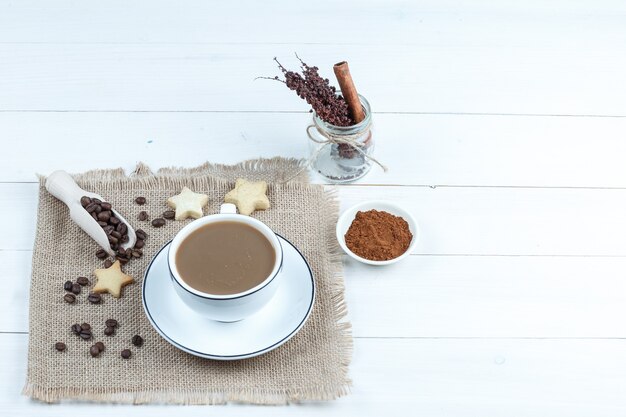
(61, 185)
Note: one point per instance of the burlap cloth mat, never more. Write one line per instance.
(313, 365)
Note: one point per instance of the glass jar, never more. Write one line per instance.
(339, 153)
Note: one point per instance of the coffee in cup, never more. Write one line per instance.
(225, 257)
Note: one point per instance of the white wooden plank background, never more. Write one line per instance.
(503, 124)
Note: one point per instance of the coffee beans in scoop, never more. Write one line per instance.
(116, 230)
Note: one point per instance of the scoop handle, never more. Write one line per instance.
(61, 185)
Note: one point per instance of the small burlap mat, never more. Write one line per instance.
(313, 365)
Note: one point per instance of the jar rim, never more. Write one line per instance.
(347, 129)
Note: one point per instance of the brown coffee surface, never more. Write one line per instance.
(225, 258)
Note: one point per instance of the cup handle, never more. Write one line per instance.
(228, 208)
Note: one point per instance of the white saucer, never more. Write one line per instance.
(276, 323)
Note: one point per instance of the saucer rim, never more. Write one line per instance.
(229, 357)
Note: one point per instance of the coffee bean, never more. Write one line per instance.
(139, 244)
(113, 240)
(76, 328)
(114, 246)
(122, 228)
(106, 206)
(116, 234)
(114, 221)
(124, 239)
(82, 281)
(122, 260)
(69, 298)
(108, 263)
(95, 216)
(136, 253)
(111, 323)
(109, 331)
(98, 209)
(104, 216)
(96, 200)
(169, 214)
(108, 229)
(94, 298)
(137, 340)
(101, 254)
(85, 326)
(60, 346)
(67, 286)
(141, 234)
(126, 353)
(76, 289)
(158, 222)
(85, 334)
(100, 346)
(140, 200)
(85, 201)
(102, 224)
(91, 207)
(94, 351)
(142, 216)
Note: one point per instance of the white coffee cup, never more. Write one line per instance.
(227, 307)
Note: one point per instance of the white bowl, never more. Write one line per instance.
(346, 218)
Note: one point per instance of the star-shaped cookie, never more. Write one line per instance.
(248, 196)
(188, 204)
(111, 280)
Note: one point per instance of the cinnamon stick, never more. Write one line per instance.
(342, 72)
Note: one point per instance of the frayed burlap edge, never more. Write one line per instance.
(204, 176)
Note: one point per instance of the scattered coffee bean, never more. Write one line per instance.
(94, 351)
(126, 353)
(158, 222)
(122, 260)
(101, 254)
(67, 286)
(85, 326)
(82, 281)
(141, 234)
(140, 200)
(169, 214)
(106, 206)
(143, 216)
(137, 340)
(109, 331)
(139, 244)
(76, 328)
(100, 346)
(85, 201)
(108, 263)
(69, 298)
(60, 346)
(85, 334)
(111, 323)
(94, 298)
(136, 253)
(76, 289)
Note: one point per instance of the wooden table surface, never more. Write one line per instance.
(504, 127)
